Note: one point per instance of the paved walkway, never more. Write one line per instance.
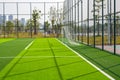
(111, 48)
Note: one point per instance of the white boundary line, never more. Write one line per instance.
(41, 57)
(111, 78)
(29, 45)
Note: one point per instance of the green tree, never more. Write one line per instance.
(59, 22)
(9, 26)
(35, 18)
(46, 25)
(52, 17)
(56, 18)
(98, 5)
(17, 24)
(117, 24)
(29, 25)
(0, 28)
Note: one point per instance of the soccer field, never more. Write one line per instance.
(4, 40)
(48, 59)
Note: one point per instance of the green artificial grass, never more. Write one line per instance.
(106, 61)
(48, 59)
(10, 49)
(5, 40)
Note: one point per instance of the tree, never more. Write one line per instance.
(59, 21)
(17, 24)
(29, 24)
(110, 28)
(117, 24)
(98, 5)
(9, 26)
(53, 17)
(56, 18)
(0, 28)
(46, 25)
(35, 18)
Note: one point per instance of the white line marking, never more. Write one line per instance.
(29, 45)
(41, 57)
(111, 78)
(40, 49)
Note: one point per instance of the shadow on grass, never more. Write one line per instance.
(43, 69)
(33, 60)
(82, 75)
(11, 48)
(50, 45)
(57, 66)
(7, 75)
(83, 50)
(97, 56)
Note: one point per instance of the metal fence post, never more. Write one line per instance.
(114, 26)
(102, 25)
(94, 23)
(88, 24)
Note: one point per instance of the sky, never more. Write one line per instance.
(10, 8)
(31, 0)
(24, 8)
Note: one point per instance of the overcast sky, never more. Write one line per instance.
(24, 8)
(31, 0)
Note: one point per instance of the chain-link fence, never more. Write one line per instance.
(93, 22)
(30, 19)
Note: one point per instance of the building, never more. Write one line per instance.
(23, 21)
(2, 19)
(10, 18)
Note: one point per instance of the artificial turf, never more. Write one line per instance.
(11, 48)
(5, 40)
(48, 59)
(106, 61)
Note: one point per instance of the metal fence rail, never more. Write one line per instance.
(22, 11)
(93, 22)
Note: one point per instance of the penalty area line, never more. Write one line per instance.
(29, 45)
(107, 75)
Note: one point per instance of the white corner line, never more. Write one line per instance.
(111, 78)
(29, 45)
